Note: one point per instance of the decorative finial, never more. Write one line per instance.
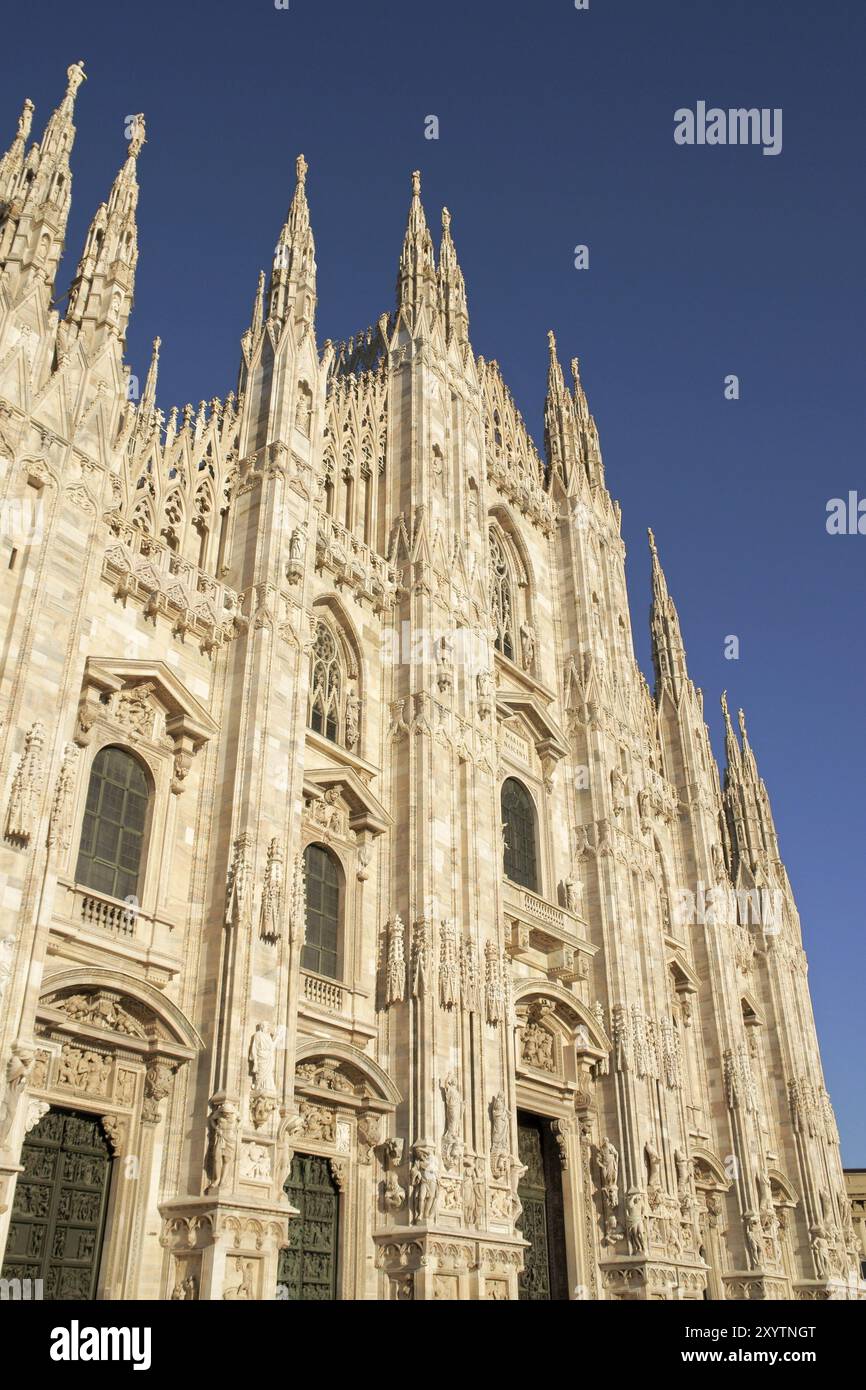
(416, 183)
(301, 167)
(575, 370)
(741, 720)
(157, 344)
(652, 542)
(76, 75)
(136, 136)
(446, 219)
(551, 340)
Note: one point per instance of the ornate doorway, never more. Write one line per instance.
(544, 1275)
(308, 1268)
(58, 1214)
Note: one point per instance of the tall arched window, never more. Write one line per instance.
(325, 684)
(501, 597)
(115, 818)
(321, 950)
(518, 833)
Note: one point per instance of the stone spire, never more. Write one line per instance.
(416, 280)
(669, 655)
(732, 748)
(747, 803)
(148, 396)
(100, 300)
(560, 423)
(293, 275)
(587, 431)
(452, 287)
(37, 197)
(12, 162)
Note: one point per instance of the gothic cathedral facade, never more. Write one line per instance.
(370, 929)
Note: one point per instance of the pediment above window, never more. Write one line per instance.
(144, 700)
(533, 719)
(336, 797)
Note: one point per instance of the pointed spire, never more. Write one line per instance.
(669, 656)
(59, 131)
(589, 446)
(560, 425)
(747, 803)
(256, 319)
(148, 398)
(452, 287)
(416, 280)
(13, 160)
(293, 274)
(100, 298)
(37, 199)
(732, 748)
(749, 763)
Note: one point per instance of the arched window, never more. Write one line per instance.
(518, 833)
(325, 684)
(501, 597)
(115, 817)
(321, 951)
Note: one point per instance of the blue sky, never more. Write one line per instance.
(556, 129)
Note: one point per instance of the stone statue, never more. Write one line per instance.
(500, 1155)
(652, 1164)
(298, 545)
(424, 1183)
(527, 645)
(821, 1253)
(754, 1245)
(452, 1139)
(262, 1057)
(608, 1165)
(222, 1126)
(353, 717)
(573, 892)
(473, 1192)
(634, 1223)
(18, 1070)
(682, 1166)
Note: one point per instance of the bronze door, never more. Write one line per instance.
(544, 1277)
(308, 1268)
(58, 1215)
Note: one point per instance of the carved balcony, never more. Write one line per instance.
(546, 934)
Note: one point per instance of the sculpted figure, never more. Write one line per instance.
(527, 645)
(297, 545)
(424, 1183)
(609, 1164)
(499, 1136)
(573, 892)
(754, 1245)
(634, 1223)
(682, 1167)
(652, 1164)
(262, 1056)
(222, 1127)
(353, 717)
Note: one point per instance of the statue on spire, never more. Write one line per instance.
(136, 135)
(301, 167)
(76, 75)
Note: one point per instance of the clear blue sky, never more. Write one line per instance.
(556, 128)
